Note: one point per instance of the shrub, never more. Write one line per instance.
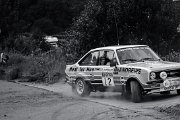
(172, 56)
(16, 59)
(2, 74)
(48, 67)
(13, 73)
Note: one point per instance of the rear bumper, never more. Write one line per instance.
(69, 80)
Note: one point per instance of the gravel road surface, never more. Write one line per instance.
(56, 102)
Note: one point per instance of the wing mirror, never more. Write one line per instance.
(113, 62)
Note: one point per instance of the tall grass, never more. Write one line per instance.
(47, 67)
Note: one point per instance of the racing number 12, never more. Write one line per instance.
(107, 81)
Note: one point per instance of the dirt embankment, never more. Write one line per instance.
(173, 111)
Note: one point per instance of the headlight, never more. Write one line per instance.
(163, 75)
(152, 75)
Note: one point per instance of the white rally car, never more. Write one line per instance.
(134, 70)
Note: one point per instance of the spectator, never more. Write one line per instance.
(4, 58)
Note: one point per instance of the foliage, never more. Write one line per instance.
(45, 17)
(27, 43)
(173, 56)
(104, 23)
(13, 73)
(2, 74)
(24, 23)
(47, 67)
(16, 59)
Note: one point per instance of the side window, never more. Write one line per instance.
(105, 57)
(90, 59)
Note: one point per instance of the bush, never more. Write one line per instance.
(172, 56)
(2, 74)
(13, 73)
(48, 67)
(16, 59)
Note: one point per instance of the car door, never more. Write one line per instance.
(87, 66)
(104, 73)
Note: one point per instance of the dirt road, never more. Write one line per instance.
(19, 102)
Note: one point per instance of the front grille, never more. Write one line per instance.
(170, 73)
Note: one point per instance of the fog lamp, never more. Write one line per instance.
(163, 75)
(152, 75)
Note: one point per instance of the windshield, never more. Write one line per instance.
(138, 54)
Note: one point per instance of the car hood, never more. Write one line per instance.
(156, 65)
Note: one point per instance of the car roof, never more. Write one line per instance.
(118, 47)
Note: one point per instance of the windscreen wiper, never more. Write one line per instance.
(143, 59)
(128, 60)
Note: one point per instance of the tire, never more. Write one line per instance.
(81, 88)
(136, 92)
(126, 93)
(165, 92)
(178, 91)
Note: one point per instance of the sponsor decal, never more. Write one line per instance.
(97, 69)
(108, 69)
(127, 70)
(83, 69)
(107, 79)
(106, 74)
(73, 69)
(134, 48)
(166, 83)
(89, 69)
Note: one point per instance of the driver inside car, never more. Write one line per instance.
(104, 59)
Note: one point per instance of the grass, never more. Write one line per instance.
(48, 67)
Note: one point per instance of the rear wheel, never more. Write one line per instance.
(165, 92)
(136, 91)
(81, 88)
(178, 91)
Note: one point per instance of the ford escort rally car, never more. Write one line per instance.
(134, 70)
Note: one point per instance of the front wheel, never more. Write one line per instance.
(81, 88)
(178, 91)
(136, 92)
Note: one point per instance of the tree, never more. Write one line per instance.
(26, 16)
(104, 23)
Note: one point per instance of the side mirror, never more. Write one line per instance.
(113, 62)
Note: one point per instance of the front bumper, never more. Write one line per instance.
(168, 84)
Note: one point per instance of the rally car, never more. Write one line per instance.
(134, 70)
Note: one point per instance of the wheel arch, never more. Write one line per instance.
(128, 83)
(83, 78)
